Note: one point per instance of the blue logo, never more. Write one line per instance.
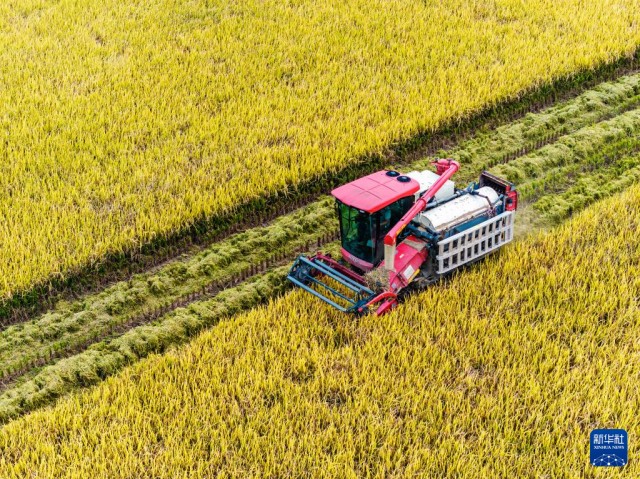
(609, 447)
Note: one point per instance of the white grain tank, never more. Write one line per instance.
(427, 178)
(459, 210)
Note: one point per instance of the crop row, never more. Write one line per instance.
(143, 122)
(144, 298)
(588, 188)
(476, 153)
(606, 101)
(580, 146)
(105, 358)
(483, 376)
(487, 149)
(30, 354)
(74, 326)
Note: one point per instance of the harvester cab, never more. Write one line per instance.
(367, 209)
(397, 229)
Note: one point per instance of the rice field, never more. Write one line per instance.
(501, 372)
(563, 158)
(123, 122)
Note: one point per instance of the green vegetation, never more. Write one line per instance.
(587, 188)
(491, 148)
(579, 147)
(105, 358)
(604, 156)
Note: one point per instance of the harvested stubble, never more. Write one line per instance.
(72, 323)
(123, 122)
(489, 149)
(484, 376)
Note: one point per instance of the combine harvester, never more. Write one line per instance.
(398, 230)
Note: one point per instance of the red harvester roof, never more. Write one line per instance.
(375, 191)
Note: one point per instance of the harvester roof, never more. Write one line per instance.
(375, 191)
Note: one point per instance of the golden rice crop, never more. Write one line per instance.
(501, 372)
(124, 120)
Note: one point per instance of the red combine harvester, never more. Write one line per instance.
(398, 230)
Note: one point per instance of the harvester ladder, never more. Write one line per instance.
(475, 242)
